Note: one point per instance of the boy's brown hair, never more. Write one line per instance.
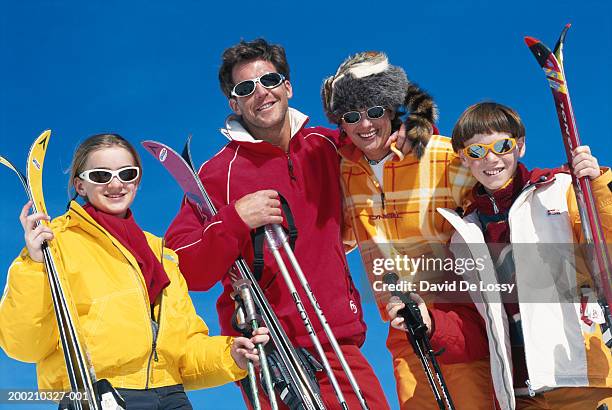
(486, 118)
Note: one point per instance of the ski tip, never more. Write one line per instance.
(530, 41)
(564, 33)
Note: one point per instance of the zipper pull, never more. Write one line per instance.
(155, 331)
(290, 166)
(155, 357)
(495, 208)
(382, 198)
(532, 392)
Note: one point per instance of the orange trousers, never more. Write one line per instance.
(567, 398)
(469, 384)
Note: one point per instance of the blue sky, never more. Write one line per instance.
(148, 70)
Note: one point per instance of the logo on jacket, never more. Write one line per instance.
(553, 212)
(393, 215)
(163, 154)
(353, 306)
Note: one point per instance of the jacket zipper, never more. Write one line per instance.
(155, 331)
(290, 166)
(153, 337)
(376, 183)
(497, 352)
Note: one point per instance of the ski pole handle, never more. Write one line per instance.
(411, 312)
(243, 288)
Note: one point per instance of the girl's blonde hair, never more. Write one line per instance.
(94, 143)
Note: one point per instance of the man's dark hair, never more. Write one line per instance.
(258, 49)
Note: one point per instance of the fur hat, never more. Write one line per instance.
(367, 79)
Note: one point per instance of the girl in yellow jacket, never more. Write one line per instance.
(125, 290)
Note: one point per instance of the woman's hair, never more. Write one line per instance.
(94, 143)
(486, 118)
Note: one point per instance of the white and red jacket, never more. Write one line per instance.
(307, 175)
(561, 348)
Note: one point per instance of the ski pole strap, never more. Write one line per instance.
(258, 238)
(291, 228)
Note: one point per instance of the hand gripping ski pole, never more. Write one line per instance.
(599, 259)
(242, 287)
(298, 387)
(241, 325)
(87, 393)
(277, 238)
(417, 335)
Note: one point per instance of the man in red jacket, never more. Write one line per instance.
(271, 152)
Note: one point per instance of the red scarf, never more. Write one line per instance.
(126, 231)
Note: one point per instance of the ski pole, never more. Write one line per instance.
(275, 243)
(251, 374)
(417, 335)
(243, 289)
(278, 236)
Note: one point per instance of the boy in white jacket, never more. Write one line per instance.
(546, 350)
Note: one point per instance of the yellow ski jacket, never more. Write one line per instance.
(108, 299)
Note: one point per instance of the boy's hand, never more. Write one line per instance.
(34, 235)
(243, 349)
(584, 164)
(395, 305)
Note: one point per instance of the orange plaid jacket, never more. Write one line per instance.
(399, 217)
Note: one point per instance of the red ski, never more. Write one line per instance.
(552, 64)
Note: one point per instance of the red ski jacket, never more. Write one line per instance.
(308, 177)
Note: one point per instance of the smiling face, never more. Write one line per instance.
(370, 135)
(113, 198)
(494, 170)
(265, 111)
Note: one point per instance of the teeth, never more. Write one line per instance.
(493, 172)
(368, 135)
(265, 106)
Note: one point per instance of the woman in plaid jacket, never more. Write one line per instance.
(390, 212)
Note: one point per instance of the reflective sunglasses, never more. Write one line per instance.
(101, 176)
(373, 113)
(500, 147)
(247, 87)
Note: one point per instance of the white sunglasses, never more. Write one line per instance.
(267, 80)
(100, 176)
